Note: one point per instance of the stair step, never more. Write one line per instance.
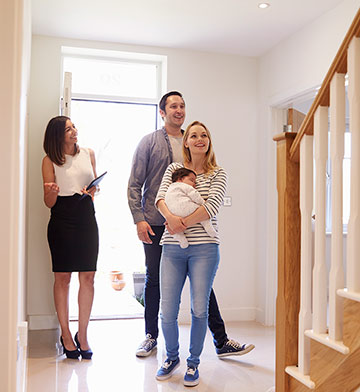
(294, 372)
(325, 339)
(355, 296)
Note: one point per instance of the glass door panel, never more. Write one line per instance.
(113, 131)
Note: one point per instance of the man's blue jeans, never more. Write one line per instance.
(199, 263)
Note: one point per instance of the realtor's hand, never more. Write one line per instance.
(90, 192)
(51, 188)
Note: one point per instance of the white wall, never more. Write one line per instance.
(219, 90)
(235, 97)
(296, 65)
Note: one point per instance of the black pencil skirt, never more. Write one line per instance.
(73, 234)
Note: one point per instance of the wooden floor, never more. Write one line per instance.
(115, 367)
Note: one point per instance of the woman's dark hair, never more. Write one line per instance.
(179, 174)
(54, 140)
(163, 99)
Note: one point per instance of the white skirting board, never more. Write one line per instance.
(228, 315)
(43, 322)
(21, 365)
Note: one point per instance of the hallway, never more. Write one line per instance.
(115, 367)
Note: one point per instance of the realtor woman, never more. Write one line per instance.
(73, 237)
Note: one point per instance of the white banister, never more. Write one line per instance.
(353, 236)
(320, 271)
(336, 278)
(306, 205)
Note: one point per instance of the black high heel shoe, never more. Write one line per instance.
(86, 354)
(72, 354)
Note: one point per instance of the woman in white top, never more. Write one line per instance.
(73, 236)
(199, 261)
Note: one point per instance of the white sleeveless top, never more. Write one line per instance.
(75, 173)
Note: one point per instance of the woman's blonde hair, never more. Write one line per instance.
(210, 160)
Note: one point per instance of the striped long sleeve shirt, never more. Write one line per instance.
(212, 188)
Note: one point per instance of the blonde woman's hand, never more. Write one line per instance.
(175, 224)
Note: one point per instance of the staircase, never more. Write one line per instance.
(318, 310)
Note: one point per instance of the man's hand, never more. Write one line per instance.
(143, 231)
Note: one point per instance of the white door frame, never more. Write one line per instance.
(15, 43)
(278, 117)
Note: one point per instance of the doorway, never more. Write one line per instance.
(113, 130)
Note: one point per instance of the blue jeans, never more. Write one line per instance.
(200, 263)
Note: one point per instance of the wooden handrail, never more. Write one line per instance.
(322, 98)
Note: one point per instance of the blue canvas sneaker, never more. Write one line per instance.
(191, 377)
(231, 347)
(146, 347)
(167, 369)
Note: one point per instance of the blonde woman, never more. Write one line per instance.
(199, 261)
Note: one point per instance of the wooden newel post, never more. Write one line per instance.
(288, 292)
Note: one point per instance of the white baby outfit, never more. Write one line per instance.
(182, 200)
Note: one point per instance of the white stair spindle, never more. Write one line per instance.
(337, 130)
(306, 205)
(353, 236)
(320, 271)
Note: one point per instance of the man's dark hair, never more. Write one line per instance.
(162, 102)
(179, 174)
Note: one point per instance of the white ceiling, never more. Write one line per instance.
(225, 26)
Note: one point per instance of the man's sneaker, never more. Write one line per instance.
(231, 347)
(191, 377)
(167, 369)
(146, 347)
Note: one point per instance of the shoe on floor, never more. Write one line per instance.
(167, 369)
(191, 377)
(231, 347)
(146, 347)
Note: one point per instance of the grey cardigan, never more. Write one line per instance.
(151, 158)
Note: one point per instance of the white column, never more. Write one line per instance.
(320, 272)
(306, 205)
(15, 39)
(66, 99)
(337, 129)
(353, 236)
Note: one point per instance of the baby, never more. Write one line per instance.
(182, 200)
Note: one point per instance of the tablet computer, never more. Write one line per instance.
(96, 181)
